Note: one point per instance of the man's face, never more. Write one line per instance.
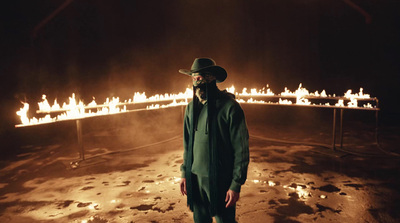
(199, 80)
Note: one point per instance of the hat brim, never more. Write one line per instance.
(219, 72)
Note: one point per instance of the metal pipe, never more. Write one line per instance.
(144, 109)
(309, 97)
(266, 103)
(313, 106)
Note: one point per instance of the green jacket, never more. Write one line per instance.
(232, 143)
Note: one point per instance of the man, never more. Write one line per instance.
(216, 149)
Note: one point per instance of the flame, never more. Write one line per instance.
(255, 92)
(285, 101)
(231, 89)
(77, 109)
(348, 94)
(340, 103)
(91, 104)
(368, 105)
(23, 113)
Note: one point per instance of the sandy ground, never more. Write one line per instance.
(137, 180)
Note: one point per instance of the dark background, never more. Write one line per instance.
(115, 48)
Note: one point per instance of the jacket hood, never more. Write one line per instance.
(227, 94)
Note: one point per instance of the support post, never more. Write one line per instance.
(183, 113)
(377, 124)
(334, 129)
(80, 140)
(341, 128)
(376, 128)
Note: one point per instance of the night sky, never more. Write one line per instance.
(115, 48)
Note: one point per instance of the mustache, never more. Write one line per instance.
(201, 87)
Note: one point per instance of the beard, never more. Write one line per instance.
(201, 92)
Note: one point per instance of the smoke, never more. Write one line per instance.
(115, 48)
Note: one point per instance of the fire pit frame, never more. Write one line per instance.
(334, 125)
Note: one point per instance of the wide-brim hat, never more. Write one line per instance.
(206, 65)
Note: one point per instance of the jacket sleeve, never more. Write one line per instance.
(186, 129)
(239, 137)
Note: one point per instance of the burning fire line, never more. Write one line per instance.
(78, 110)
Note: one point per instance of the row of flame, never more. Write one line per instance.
(74, 110)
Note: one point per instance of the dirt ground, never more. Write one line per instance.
(131, 171)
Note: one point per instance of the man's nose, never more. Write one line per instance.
(196, 78)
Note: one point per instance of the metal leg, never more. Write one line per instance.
(341, 128)
(334, 129)
(376, 128)
(80, 141)
(183, 113)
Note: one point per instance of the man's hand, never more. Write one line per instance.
(183, 186)
(231, 198)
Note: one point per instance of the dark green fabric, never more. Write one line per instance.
(201, 152)
(188, 153)
(231, 156)
(215, 201)
(201, 213)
